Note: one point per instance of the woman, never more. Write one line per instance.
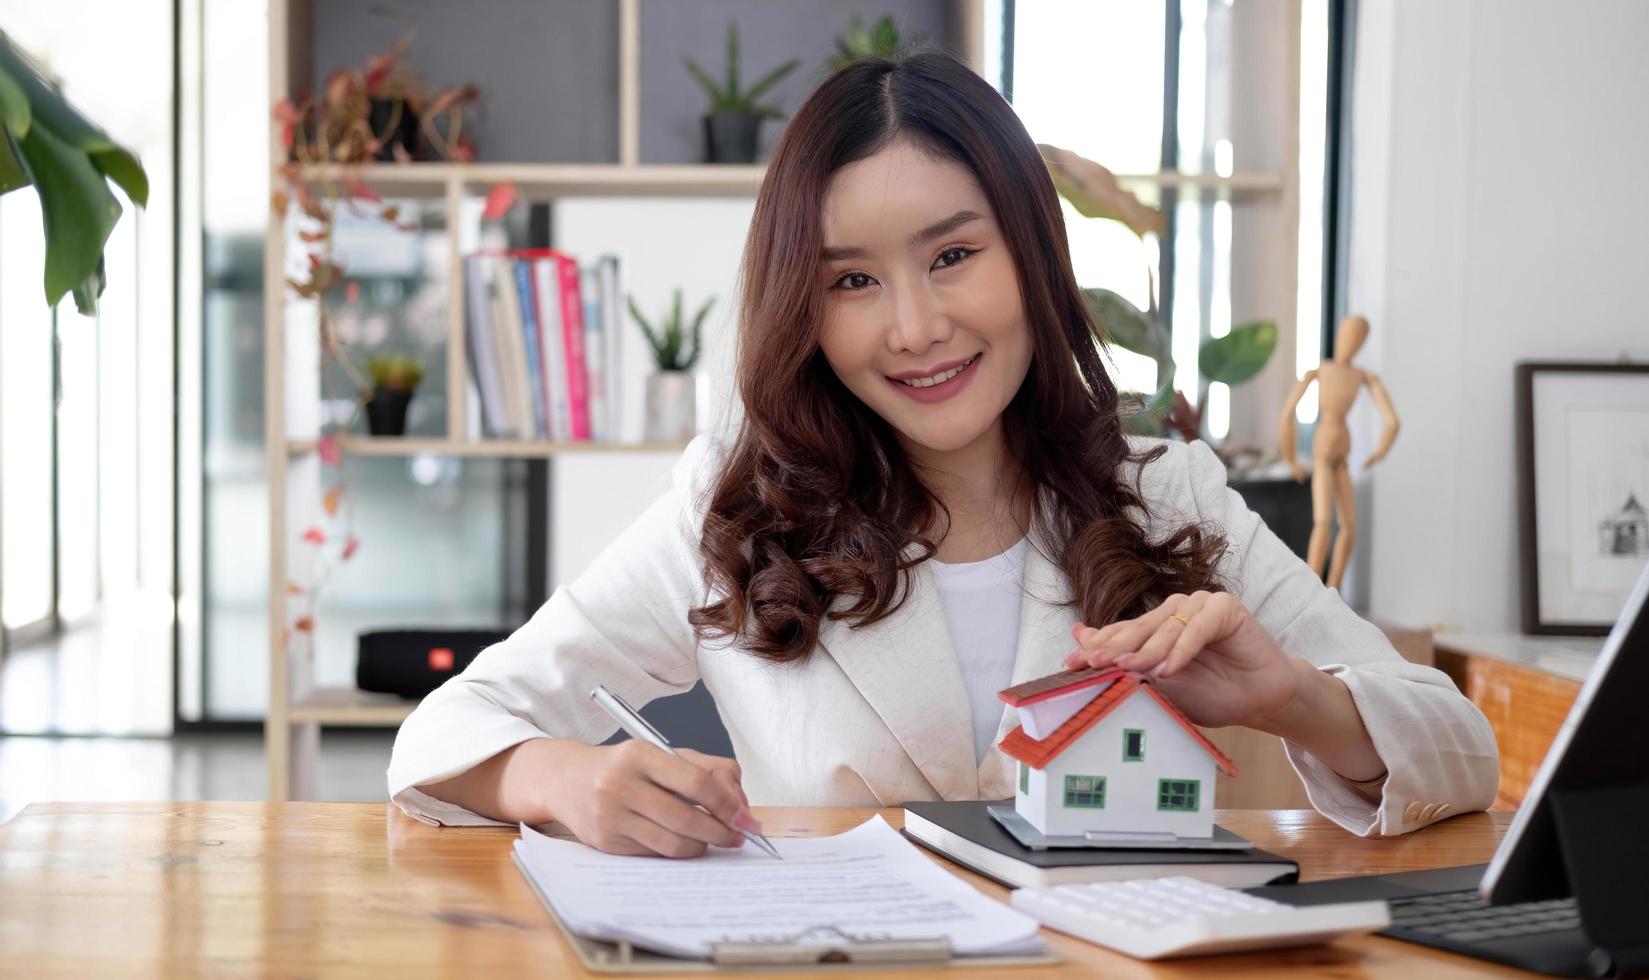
(929, 498)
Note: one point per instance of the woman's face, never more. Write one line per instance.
(923, 318)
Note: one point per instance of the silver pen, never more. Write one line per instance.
(636, 726)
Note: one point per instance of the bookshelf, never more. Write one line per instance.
(298, 709)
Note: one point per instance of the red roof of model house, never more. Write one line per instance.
(1124, 685)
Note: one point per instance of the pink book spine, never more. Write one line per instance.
(572, 329)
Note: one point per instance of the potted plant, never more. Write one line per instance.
(881, 41)
(670, 399)
(380, 111)
(394, 379)
(734, 119)
(1232, 359)
(46, 143)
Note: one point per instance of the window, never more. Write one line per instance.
(1133, 745)
(1024, 779)
(1085, 791)
(1178, 794)
(1216, 113)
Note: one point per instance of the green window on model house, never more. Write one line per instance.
(1133, 745)
(1024, 779)
(1088, 791)
(1178, 794)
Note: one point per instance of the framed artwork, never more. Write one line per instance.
(1583, 492)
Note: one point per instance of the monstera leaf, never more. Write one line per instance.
(68, 160)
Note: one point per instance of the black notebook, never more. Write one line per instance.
(966, 833)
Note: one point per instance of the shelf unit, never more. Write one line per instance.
(296, 709)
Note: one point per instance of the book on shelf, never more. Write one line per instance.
(547, 275)
(482, 353)
(527, 298)
(609, 322)
(505, 326)
(542, 335)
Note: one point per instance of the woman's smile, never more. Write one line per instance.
(939, 386)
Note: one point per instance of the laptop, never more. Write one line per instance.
(1567, 892)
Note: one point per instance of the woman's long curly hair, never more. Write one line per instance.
(817, 499)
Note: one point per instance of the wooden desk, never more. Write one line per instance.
(340, 889)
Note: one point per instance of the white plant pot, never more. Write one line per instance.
(671, 406)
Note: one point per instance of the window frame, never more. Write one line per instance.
(1189, 789)
(1096, 790)
(1138, 755)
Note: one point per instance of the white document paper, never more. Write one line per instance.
(868, 882)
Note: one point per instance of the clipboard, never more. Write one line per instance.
(823, 949)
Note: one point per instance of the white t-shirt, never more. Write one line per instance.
(982, 600)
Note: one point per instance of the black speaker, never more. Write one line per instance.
(414, 662)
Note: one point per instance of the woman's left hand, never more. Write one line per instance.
(1206, 653)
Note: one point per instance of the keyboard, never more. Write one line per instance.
(1153, 918)
(1463, 917)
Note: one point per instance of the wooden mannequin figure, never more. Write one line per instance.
(1337, 386)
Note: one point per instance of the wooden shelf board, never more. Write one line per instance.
(347, 706)
(548, 180)
(1235, 182)
(551, 180)
(504, 448)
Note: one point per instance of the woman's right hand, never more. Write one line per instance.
(623, 799)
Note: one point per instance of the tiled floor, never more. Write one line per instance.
(111, 675)
(87, 716)
(184, 767)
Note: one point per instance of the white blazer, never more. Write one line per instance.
(879, 716)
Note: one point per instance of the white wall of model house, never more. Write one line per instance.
(1130, 787)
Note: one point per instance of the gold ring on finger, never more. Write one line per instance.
(1182, 619)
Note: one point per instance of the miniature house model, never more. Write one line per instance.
(1102, 750)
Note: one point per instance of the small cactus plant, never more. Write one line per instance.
(398, 373)
(728, 97)
(669, 341)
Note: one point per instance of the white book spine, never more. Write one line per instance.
(483, 356)
(595, 353)
(518, 381)
(613, 310)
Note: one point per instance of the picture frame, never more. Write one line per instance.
(1583, 492)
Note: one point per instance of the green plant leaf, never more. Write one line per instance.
(14, 105)
(79, 211)
(14, 172)
(768, 80)
(654, 341)
(47, 105)
(1094, 192)
(886, 37)
(120, 166)
(732, 61)
(1126, 325)
(1240, 354)
(90, 290)
(704, 80)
